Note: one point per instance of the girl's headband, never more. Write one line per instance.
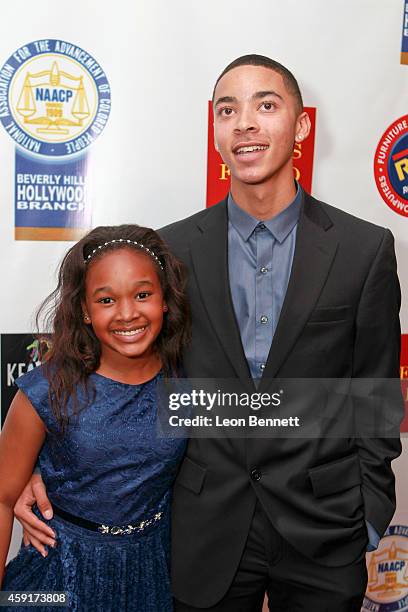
(134, 242)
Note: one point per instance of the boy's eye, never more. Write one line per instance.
(226, 111)
(268, 106)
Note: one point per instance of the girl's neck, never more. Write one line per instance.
(130, 371)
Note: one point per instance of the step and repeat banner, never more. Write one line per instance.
(105, 119)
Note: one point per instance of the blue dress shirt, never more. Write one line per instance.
(260, 257)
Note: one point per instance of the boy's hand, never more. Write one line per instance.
(36, 533)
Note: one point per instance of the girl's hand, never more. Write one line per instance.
(36, 533)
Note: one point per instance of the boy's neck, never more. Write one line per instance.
(266, 200)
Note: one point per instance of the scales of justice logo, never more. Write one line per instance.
(387, 589)
(54, 98)
(54, 104)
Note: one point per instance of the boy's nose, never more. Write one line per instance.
(246, 121)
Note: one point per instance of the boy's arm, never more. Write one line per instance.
(21, 440)
(377, 358)
(35, 532)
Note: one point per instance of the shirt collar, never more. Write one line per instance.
(279, 226)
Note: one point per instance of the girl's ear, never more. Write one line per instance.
(85, 315)
(165, 307)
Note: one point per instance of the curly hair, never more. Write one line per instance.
(75, 350)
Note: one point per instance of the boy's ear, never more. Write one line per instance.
(303, 127)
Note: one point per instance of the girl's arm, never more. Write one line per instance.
(21, 440)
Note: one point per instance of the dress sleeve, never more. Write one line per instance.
(35, 386)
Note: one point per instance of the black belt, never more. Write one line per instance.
(107, 529)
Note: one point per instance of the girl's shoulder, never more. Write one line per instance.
(34, 385)
(33, 379)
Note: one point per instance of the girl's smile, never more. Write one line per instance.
(130, 332)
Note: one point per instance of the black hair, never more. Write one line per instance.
(253, 59)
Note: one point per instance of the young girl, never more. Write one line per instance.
(120, 319)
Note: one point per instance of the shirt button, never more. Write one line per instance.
(264, 270)
(262, 367)
(262, 226)
(256, 475)
(263, 319)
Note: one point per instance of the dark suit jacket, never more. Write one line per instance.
(339, 319)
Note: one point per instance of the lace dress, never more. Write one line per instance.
(110, 468)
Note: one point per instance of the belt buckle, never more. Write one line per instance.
(116, 530)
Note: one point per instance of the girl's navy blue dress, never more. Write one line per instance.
(111, 468)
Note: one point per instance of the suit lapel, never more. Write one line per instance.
(210, 262)
(314, 253)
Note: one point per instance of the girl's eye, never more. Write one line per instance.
(105, 300)
(142, 295)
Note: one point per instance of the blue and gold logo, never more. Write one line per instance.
(54, 98)
(54, 103)
(387, 589)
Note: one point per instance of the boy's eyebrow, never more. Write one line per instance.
(224, 99)
(265, 94)
(256, 96)
(108, 289)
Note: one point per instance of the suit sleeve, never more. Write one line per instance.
(377, 356)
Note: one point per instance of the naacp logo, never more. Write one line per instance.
(54, 98)
(391, 166)
(387, 588)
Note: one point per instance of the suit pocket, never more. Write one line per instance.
(335, 313)
(191, 475)
(335, 476)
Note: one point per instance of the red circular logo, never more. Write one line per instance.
(391, 166)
